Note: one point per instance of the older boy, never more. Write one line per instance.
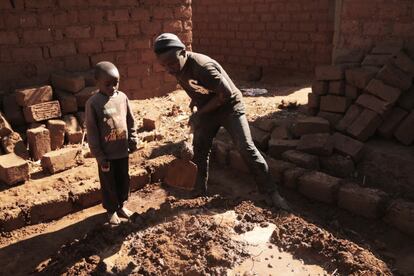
(219, 103)
(111, 137)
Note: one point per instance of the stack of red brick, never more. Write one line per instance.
(363, 95)
(302, 154)
(47, 119)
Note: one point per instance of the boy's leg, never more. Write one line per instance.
(108, 188)
(238, 128)
(122, 180)
(202, 142)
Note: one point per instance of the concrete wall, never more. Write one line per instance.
(295, 35)
(38, 37)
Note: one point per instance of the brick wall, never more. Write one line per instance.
(38, 37)
(295, 34)
(363, 23)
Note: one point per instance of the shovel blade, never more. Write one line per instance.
(181, 174)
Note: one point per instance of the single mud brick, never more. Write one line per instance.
(406, 101)
(81, 119)
(151, 122)
(319, 186)
(34, 95)
(376, 60)
(181, 174)
(265, 124)
(310, 125)
(391, 122)
(337, 165)
(388, 47)
(277, 168)
(291, 177)
(404, 62)
(68, 102)
(313, 100)
(158, 167)
(279, 146)
(220, 152)
(42, 112)
(365, 125)
(49, 207)
(12, 219)
(383, 91)
(350, 116)
(59, 160)
(5, 127)
(260, 137)
(348, 56)
(318, 143)
(319, 87)
(351, 92)
(405, 131)
(236, 162)
(302, 159)
(373, 103)
(360, 77)
(280, 132)
(331, 117)
(138, 179)
(329, 72)
(57, 133)
(336, 104)
(13, 143)
(310, 111)
(69, 82)
(13, 169)
(337, 87)
(348, 146)
(73, 131)
(393, 76)
(13, 111)
(400, 214)
(89, 77)
(38, 140)
(366, 202)
(86, 195)
(83, 96)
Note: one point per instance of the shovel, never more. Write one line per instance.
(182, 172)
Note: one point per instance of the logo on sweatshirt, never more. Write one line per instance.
(197, 87)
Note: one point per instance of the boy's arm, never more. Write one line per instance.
(214, 81)
(132, 131)
(92, 130)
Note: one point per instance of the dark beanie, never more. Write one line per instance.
(167, 41)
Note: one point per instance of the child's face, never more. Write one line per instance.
(107, 84)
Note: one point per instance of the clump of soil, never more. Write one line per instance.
(310, 242)
(192, 243)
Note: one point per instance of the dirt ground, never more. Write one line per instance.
(174, 235)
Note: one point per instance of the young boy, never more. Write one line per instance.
(219, 103)
(111, 136)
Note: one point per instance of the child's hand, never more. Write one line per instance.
(105, 166)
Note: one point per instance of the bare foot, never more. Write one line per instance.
(113, 218)
(125, 213)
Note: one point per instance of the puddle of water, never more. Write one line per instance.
(267, 259)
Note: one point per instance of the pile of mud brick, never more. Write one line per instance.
(306, 155)
(37, 122)
(363, 95)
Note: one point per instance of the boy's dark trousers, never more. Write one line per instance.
(115, 184)
(238, 128)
